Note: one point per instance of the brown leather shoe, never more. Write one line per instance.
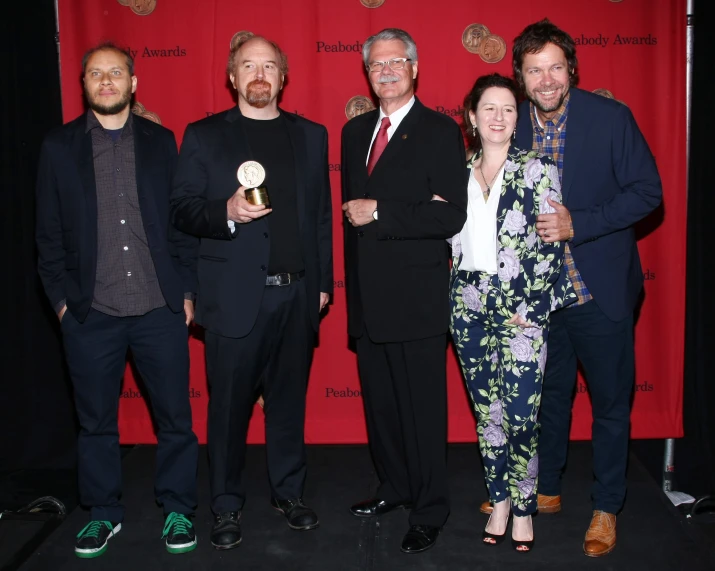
(601, 535)
(548, 504)
(486, 507)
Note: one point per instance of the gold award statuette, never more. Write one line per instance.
(251, 175)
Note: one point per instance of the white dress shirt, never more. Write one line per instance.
(395, 120)
(479, 235)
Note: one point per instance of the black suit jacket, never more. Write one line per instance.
(610, 182)
(397, 268)
(232, 269)
(67, 215)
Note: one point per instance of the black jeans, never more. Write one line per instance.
(96, 353)
(278, 352)
(605, 350)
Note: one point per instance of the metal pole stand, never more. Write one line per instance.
(668, 475)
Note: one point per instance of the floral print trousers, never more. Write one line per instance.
(503, 368)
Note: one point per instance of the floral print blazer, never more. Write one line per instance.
(530, 279)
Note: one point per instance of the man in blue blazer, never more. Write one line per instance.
(609, 181)
(119, 277)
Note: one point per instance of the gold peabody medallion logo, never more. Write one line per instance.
(140, 7)
(477, 39)
(606, 93)
(492, 49)
(603, 92)
(358, 105)
(139, 109)
(372, 3)
(472, 37)
(242, 35)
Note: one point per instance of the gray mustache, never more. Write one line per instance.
(388, 78)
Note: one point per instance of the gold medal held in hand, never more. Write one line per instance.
(251, 174)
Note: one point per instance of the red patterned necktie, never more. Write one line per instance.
(379, 145)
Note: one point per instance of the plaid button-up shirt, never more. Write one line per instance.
(550, 139)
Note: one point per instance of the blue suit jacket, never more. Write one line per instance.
(609, 182)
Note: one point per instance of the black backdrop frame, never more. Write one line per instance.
(37, 424)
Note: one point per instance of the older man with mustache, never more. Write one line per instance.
(264, 276)
(396, 161)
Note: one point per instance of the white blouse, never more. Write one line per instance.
(479, 235)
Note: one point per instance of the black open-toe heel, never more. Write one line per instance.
(493, 539)
(522, 546)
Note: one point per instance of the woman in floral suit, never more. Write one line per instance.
(505, 282)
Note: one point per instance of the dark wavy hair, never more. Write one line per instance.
(533, 39)
(475, 94)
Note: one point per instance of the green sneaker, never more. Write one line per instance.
(179, 533)
(92, 540)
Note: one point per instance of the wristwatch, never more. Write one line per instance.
(374, 214)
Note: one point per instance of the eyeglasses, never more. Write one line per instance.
(395, 64)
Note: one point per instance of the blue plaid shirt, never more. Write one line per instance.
(551, 140)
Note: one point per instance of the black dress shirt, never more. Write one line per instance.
(126, 282)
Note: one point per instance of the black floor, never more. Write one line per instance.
(651, 534)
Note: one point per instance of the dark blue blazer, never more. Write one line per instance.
(610, 181)
(67, 215)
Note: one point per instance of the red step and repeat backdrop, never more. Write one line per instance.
(632, 50)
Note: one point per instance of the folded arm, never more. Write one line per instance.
(445, 213)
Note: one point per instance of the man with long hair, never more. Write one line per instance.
(609, 181)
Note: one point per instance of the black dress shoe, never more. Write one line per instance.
(420, 538)
(298, 515)
(375, 506)
(226, 532)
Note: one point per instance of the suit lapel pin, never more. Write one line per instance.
(404, 137)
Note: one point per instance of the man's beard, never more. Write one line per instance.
(113, 109)
(258, 93)
(551, 106)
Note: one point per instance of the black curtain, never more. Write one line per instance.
(695, 454)
(37, 425)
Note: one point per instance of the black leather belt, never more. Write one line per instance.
(284, 279)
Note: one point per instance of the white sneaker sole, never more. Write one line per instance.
(97, 551)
